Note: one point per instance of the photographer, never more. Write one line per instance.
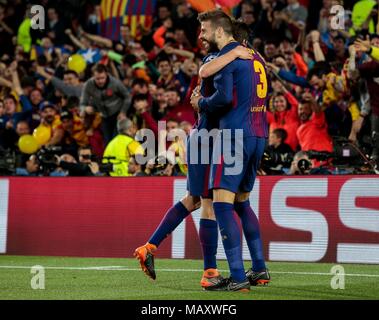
(135, 169)
(302, 165)
(32, 168)
(86, 156)
(85, 168)
(163, 165)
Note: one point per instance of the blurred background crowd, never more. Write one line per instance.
(75, 93)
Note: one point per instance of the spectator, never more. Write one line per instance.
(295, 15)
(22, 128)
(74, 132)
(51, 120)
(159, 107)
(313, 132)
(107, 95)
(154, 70)
(368, 69)
(55, 27)
(270, 50)
(164, 12)
(70, 85)
(167, 79)
(174, 111)
(36, 98)
(331, 90)
(284, 114)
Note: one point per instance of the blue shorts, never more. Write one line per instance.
(198, 172)
(235, 163)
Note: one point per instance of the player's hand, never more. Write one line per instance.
(195, 98)
(243, 53)
(196, 91)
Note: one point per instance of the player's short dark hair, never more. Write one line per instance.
(217, 18)
(280, 133)
(241, 31)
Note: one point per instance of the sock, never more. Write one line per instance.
(174, 216)
(231, 239)
(208, 234)
(252, 234)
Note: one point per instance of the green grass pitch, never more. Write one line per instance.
(105, 278)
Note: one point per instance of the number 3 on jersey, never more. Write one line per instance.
(262, 85)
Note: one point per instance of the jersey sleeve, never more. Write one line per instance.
(223, 96)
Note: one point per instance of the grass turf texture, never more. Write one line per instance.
(78, 278)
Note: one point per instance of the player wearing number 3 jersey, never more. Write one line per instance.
(242, 87)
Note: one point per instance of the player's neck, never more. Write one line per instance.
(223, 42)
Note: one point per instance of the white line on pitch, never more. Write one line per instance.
(123, 268)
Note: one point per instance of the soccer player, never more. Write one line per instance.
(242, 86)
(197, 195)
(258, 274)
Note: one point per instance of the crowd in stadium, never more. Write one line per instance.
(323, 110)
